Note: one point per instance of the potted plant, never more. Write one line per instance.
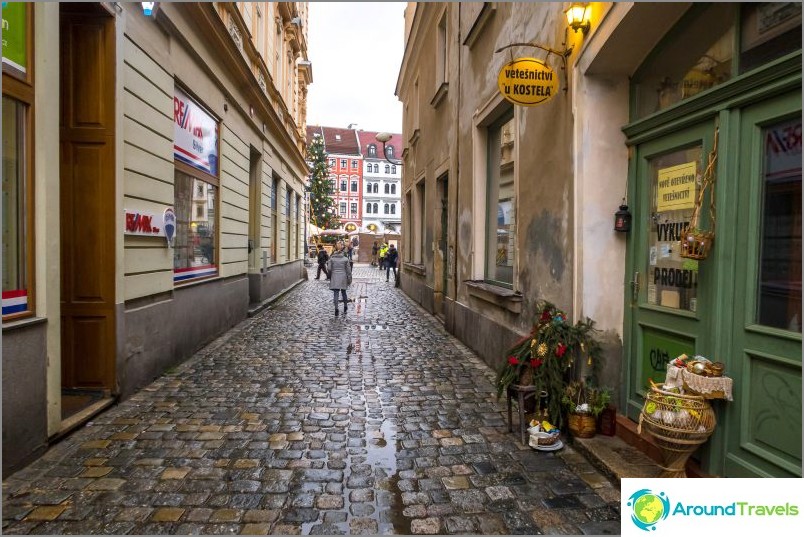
(545, 357)
(584, 403)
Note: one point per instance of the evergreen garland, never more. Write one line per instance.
(545, 358)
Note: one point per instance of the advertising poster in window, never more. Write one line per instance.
(14, 36)
(672, 280)
(195, 139)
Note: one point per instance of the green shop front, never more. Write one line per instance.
(723, 85)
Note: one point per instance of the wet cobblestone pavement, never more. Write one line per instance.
(298, 422)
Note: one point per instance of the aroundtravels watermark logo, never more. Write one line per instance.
(648, 508)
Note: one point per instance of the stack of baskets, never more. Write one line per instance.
(679, 423)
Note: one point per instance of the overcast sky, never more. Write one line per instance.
(356, 49)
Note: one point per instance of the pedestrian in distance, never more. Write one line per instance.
(374, 251)
(340, 272)
(391, 257)
(383, 251)
(323, 257)
(349, 253)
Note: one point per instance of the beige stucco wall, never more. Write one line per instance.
(154, 61)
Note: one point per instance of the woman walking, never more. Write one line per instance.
(340, 274)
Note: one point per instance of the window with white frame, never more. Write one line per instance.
(368, 188)
(387, 188)
(393, 188)
(372, 150)
(342, 208)
(393, 208)
(376, 188)
(354, 164)
(376, 168)
(343, 163)
(387, 168)
(343, 185)
(385, 209)
(368, 208)
(393, 168)
(376, 209)
(353, 208)
(354, 186)
(332, 163)
(501, 203)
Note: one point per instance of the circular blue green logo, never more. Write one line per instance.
(648, 508)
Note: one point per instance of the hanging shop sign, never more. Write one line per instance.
(195, 134)
(675, 188)
(14, 35)
(144, 224)
(527, 82)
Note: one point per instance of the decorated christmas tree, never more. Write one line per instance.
(322, 206)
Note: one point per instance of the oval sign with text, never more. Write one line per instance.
(527, 82)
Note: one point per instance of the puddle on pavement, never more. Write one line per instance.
(381, 455)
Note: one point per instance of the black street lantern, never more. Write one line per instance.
(622, 218)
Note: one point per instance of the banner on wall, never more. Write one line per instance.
(14, 36)
(195, 138)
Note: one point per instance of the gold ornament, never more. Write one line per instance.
(542, 350)
(589, 361)
(532, 343)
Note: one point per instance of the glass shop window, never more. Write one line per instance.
(694, 57)
(194, 249)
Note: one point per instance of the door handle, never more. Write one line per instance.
(635, 287)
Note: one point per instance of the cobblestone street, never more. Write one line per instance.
(300, 422)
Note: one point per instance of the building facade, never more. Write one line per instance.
(155, 191)
(505, 205)
(345, 172)
(382, 183)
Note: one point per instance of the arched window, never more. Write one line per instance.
(389, 150)
(368, 208)
(393, 189)
(372, 150)
(393, 208)
(393, 168)
(387, 168)
(387, 188)
(376, 168)
(376, 209)
(368, 188)
(385, 209)
(376, 187)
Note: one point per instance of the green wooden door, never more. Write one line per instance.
(763, 423)
(667, 305)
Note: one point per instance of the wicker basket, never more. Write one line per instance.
(696, 244)
(582, 425)
(544, 439)
(679, 424)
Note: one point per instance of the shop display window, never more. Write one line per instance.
(195, 244)
(501, 199)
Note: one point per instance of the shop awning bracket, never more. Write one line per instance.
(563, 54)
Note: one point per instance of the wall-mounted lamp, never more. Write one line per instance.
(578, 17)
(384, 137)
(622, 218)
(148, 8)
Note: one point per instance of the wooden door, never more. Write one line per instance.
(88, 216)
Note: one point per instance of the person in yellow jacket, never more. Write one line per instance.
(383, 251)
